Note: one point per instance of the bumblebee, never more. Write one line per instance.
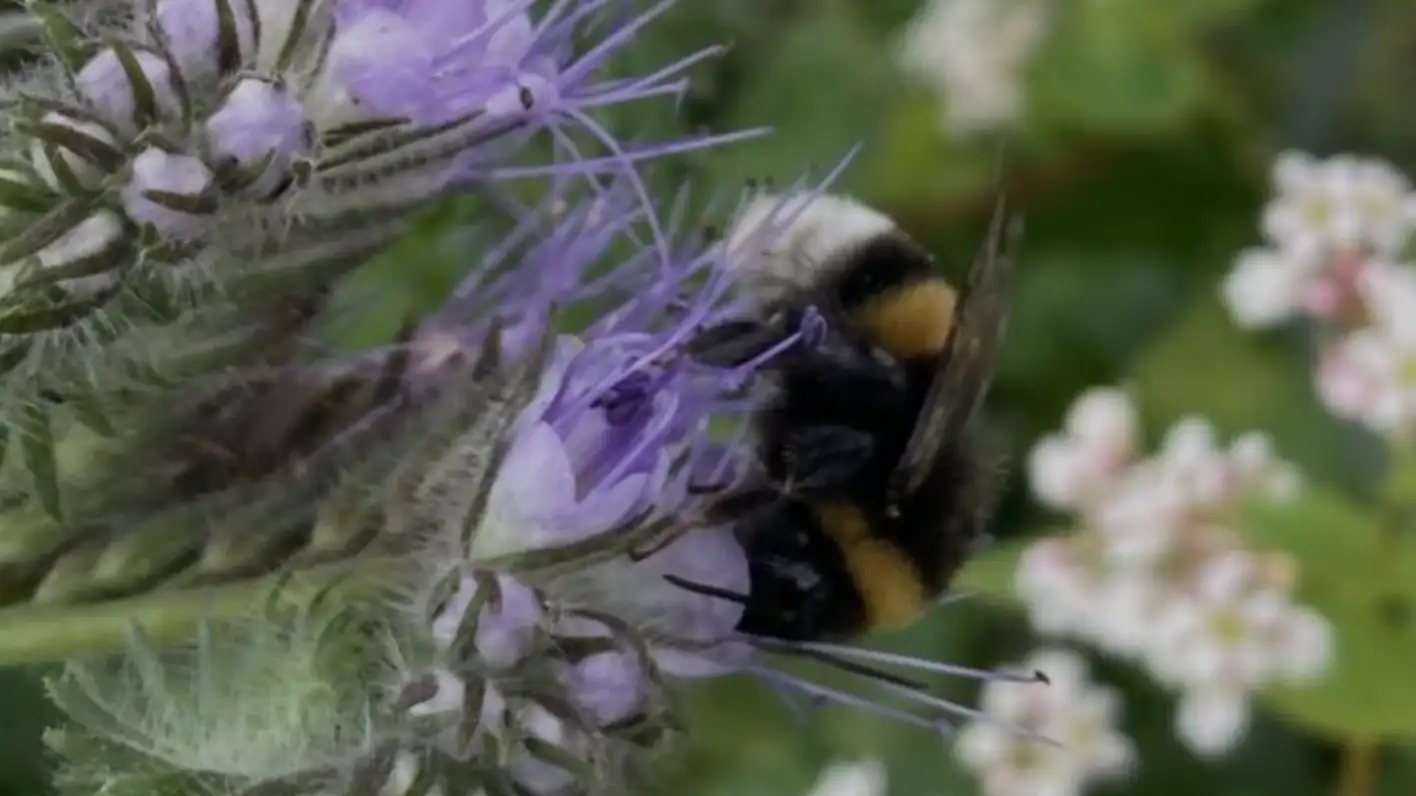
(877, 485)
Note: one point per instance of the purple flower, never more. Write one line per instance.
(439, 61)
(434, 60)
(260, 130)
(621, 428)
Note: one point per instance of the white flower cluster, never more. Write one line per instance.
(1156, 574)
(974, 53)
(1077, 715)
(860, 778)
(1338, 230)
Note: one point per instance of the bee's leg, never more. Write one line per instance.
(730, 507)
(734, 343)
(740, 503)
(824, 458)
(637, 554)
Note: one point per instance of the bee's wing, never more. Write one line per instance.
(966, 366)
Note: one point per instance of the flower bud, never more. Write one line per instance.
(207, 37)
(172, 193)
(506, 625)
(256, 135)
(130, 88)
(289, 28)
(21, 190)
(84, 262)
(543, 776)
(608, 687)
(69, 154)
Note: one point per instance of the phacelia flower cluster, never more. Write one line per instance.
(169, 144)
(1078, 715)
(1157, 575)
(1338, 233)
(452, 564)
(975, 53)
(537, 500)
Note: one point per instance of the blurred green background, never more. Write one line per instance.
(1142, 162)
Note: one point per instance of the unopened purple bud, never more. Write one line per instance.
(44, 153)
(289, 25)
(261, 124)
(169, 192)
(607, 686)
(506, 631)
(539, 776)
(508, 44)
(107, 87)
(381, 63)
(191, 30)
(99, 234)
(448, 695)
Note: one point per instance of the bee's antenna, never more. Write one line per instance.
(860, 669)
(904, 661)
(911, 693)
(820, 694)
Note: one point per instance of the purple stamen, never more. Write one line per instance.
(740, 376)
(813, 327)
(628, 400)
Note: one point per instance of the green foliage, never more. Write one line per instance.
(1117, 65)
(991, 574)
(1249, 382)
(36, 432)
(856, 88)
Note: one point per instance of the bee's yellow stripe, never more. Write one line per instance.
(911, 321)
(888, 582)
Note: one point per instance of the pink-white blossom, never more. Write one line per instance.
(1077, 715)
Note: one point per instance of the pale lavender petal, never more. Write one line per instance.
(537, 479)
(604, 509)
(607, 686)
(505, 632)
(383, 62)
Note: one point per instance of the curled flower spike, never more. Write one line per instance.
(513, 511)
(221, 152)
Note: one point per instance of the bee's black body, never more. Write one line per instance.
(875, 488)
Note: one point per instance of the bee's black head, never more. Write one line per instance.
(878, 266)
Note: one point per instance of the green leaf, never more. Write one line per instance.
(824, 91)
(1399, 485)
(1205, 365)
(1365, 585)
(37, 453)
(1197, 13)
(990, 574)
(916, 162)
(1112, 64)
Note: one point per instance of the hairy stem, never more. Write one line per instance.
(51, 633)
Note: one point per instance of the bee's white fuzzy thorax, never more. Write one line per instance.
(780, 242)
